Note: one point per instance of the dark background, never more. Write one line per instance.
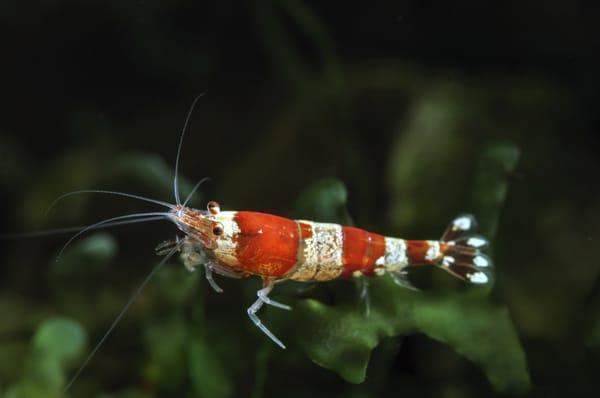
(395, 99)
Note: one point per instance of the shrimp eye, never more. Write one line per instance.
(213, 207)
(217, 230)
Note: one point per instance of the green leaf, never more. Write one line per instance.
(56, 343)
(60, 338)
(478, 330)
(342, 338)
(89, 255)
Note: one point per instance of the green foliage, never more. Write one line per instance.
(55, 346)
(60, 339)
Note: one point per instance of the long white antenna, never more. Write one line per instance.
(118, 318)
(103, 191)
(144, 216)
(202, 181)
(66, 230)
(187, 120)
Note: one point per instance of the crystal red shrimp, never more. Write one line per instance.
(240, 244)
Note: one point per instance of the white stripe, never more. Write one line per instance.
(321, 256)
(226, 245)
(434, 250)
(395, 254)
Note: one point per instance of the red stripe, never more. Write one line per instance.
(266, 245)
(416, 251)
(361, 250)
(305, 230)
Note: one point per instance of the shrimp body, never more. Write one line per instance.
(273, 247)
(239, 244)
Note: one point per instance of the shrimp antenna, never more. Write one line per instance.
(187, 120)
(118, 318)
(143, 216)
(202, 181)
(128, 195)
(58, 231)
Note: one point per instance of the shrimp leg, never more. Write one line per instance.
(365, 298)
(192, 256)
(209, 277)
(263, 298)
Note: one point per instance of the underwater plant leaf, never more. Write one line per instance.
(479, 331)
(56, 344)
(62, 339)
(90, 254)
(343, 338)
(81, 265)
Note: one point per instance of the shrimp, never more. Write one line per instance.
(241, 244)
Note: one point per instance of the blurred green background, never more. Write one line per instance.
(391, 115)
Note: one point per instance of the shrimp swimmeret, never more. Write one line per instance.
(240, 244)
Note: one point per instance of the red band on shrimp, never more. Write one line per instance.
(417, 251)
(424, 252)
(267, 245)
(361, 250)
(305, 230)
